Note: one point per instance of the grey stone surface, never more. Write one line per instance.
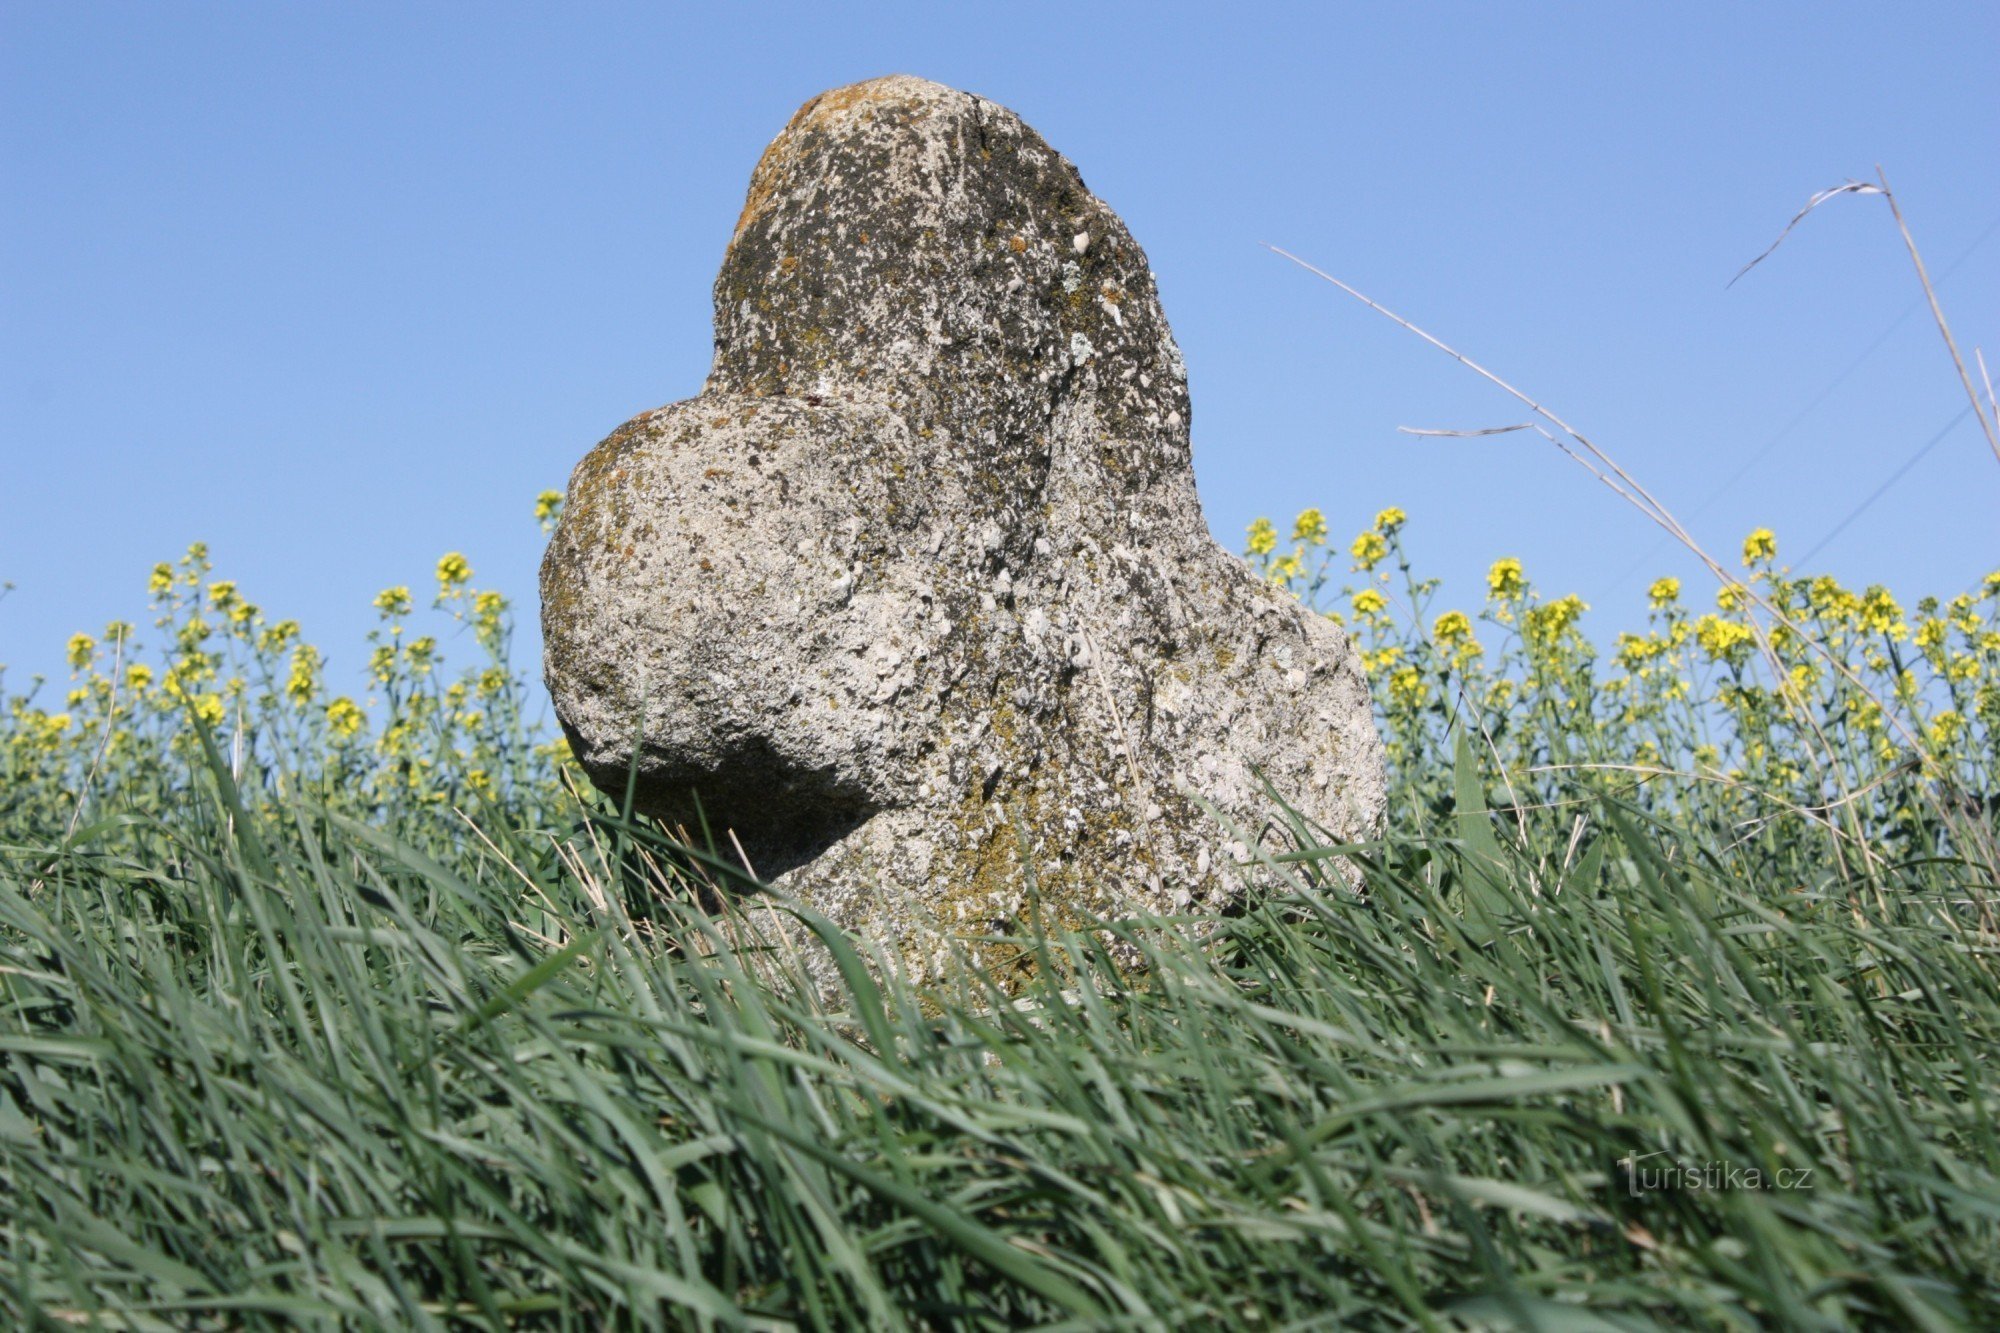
(918, 591)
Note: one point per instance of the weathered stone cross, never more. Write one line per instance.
(917, 595)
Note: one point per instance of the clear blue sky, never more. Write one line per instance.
(340, 287)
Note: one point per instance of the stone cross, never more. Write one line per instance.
(916, 598)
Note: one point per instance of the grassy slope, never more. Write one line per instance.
(262, 1063)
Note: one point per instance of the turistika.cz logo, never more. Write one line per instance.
(1712, 1176)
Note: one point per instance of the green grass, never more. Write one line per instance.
(1670, 998)
(265, 1064)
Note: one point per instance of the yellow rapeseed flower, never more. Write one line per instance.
(1945, 728)
(1368, 549)
(138, 676)
(1723, 640)
(1505, 578)
(344, 718)
(1761, 545)
(162, 581)
(1369, 602)
(1635, 650)
(548, 506)
(1381, 659)
(492, 681)
(1991, 587)
(393, 601)
(302, 682)
(81, 647)
(275, 637)
(1406, 687)
(1880, 614)
(1263, 537)
(1732, 596)
(1664, 592)
(1546, 623)
(1310, 527)
(1452, 627)
(1389, 520)
(208, 707)
(452, 571)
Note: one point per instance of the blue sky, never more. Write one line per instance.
(338, 288)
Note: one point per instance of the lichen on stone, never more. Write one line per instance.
(915, 599)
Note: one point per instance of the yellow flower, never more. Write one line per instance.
(382, 664)
(480, 781)
(1664, 592)
(1406, 687)
(1931, 634)
(393, 601)
(1369, 602)
(138, 676)
(221, 594)
(344, 718)
(1945, 728)
(492, 681)
(303, 680)
(1263, 537)
(208, 707)
(275, 637)
(548, 507)
(162, 581)
(1991, 587)
(1389, 520)
(1732, 596)
(1452, 627)
(1311, 527)
(1761, 545)
(81, 647)
(1368, 549)
(1505, 578)
(1881, 615)
(1288, 567)
(1635, 650)
(1962, 668)
(452, 570)
(1381, 659)
(1723, 640)
(1832, 601)
(1547, 622)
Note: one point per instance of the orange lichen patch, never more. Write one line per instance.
(788, 263)
(783, 150)
(1018, 245)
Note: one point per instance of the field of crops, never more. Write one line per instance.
(1671, 997)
